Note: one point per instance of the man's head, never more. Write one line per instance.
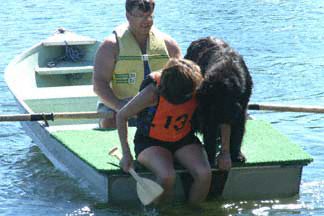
(146, 6)
(139, 14)
(179, 80)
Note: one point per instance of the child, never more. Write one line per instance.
(165, 106)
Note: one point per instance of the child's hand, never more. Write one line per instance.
(126, 162)
(224, 161)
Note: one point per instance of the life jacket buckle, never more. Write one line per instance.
(145, 57)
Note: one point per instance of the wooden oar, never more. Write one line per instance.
(54, 116)
(147, 190)
(286, 108)
(93, 115)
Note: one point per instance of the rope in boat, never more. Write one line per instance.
(73, 54)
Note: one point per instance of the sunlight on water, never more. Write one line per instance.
(83, 211)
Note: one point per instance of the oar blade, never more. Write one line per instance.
(148, 191)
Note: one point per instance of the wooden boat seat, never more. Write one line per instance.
(63, 37)
(70, 42)
(63, 70)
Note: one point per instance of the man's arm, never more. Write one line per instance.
(104, 66)
(172, 47)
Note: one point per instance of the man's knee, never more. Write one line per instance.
(107, 123)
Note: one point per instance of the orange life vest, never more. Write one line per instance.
(167, 122)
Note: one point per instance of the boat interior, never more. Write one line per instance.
(66, 59)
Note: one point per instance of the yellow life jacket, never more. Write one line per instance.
(129, 69)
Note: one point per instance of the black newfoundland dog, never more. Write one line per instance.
(223, 95)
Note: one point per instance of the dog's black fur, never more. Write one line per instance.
(223, 95)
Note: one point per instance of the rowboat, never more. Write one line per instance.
(54, 76)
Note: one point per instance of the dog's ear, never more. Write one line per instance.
(205, 89)
(192, 52)
(189, 53)
(196, 47)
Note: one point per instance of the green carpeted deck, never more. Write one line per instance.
(263, 145)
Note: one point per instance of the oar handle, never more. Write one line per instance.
(286, 108)
(54, 116)
(27, 117)
(135, 176)
(114, 152)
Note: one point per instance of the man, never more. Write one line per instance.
(126, 57)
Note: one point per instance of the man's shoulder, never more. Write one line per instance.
(162, 34)
(121, 29)
(109, 43)
(172, 46)
(108, 48)
(169, 40)
(110, 40)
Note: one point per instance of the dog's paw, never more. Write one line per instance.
(239, 158)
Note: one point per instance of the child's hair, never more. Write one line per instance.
(179, 80)
(143, 5)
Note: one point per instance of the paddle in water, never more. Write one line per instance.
(147, 190)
